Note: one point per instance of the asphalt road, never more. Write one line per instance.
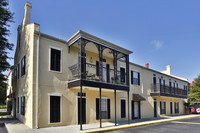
(181, 126)
(3, 128)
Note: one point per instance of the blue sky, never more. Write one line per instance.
(158, 32)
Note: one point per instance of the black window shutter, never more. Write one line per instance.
(138, 78)
(164, 107)
(24, 105)
(131, 77)
(52, 59)
(24, 64)
(97, 108)
(97, 68)
(164, 82)
(123, 108)
(160, 107)
(108, 106)
(58, 55)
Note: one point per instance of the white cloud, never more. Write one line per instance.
(157, 43)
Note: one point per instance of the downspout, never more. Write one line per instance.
(38, 50)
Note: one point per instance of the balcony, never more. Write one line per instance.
(91, 75)
(161, 90)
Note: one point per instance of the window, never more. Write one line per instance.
(123, 108)
(162, 107)
(15, 75)
(170, 83)
(176, 107)
(162, 81)
(18, 68)
(185, 87)
(23, 65)
(122, 74)
(55, 109)
(17, 104)
(105, 108)
(135, 78)
(23, 105)
(154, 79)
(175, 84)
(55, 60)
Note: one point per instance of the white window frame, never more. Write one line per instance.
(55, 94)
(60, 49)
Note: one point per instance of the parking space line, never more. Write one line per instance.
(186, 122)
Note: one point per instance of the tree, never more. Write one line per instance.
(194, 95)
(6, 17)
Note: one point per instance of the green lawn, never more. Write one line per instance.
(2, 106)
(3, 113)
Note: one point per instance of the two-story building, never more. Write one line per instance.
(85, 80)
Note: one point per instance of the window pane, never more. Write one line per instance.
(55, 59)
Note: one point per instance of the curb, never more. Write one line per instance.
(132, 126)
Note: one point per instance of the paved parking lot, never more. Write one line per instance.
(181, 126)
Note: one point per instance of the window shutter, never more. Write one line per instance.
(131, 77)
(108, 106)
(24, 106)
(52, 59)
(164, 82)
(97, 68)
(108, 72)
(97, 108)
(164, 107)
(138, 78)
(24, 64)
(58, 57)
(160, 107)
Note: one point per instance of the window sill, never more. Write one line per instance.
(55, 123)
(59, 72)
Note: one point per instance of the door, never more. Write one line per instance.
(135, 110)
(155, 108)
(171, 110)
(122, 74)
(54, 109)
(104, 72)
(83, 111)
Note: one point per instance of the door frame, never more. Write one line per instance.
(77, 97)
(55, 94)
(133, 111)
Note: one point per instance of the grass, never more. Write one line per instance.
(2, 106)
(3, 113)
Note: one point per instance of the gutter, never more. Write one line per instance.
(38, 50)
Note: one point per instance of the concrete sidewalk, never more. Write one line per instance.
(15, 126)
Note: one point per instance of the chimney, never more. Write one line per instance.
(27, 14)
(192, 84)
(147, 65)
(168, 69)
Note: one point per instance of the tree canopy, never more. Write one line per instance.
(6, 17)
(194, 95)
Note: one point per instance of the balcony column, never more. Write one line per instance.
(115, 65)
(127, 81)
(127, 70)
(100, 49)
(100, 115)
(81, 58)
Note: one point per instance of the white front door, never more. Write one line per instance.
(136, 109)
(104, 72)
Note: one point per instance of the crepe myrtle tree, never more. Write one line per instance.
(194, 95)
(6, 17)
